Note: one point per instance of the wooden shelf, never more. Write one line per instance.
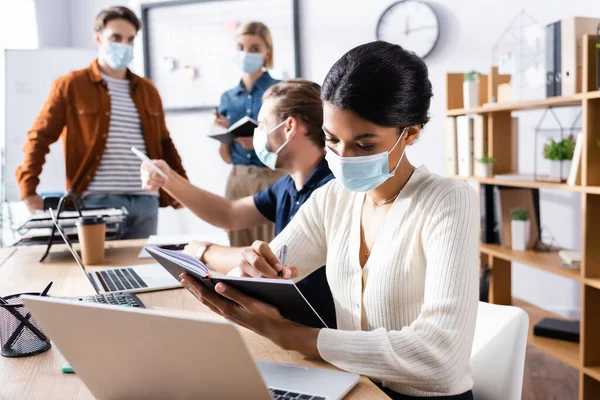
(593, 372)
(593, 282)
(523, 184)
(558, 101)
(564, 351)
(592, 189)
(549, 262)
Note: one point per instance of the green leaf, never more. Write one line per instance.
(519, 214)
(486, 160)
(471, 76)
(561, 150)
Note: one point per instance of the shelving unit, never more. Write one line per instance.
(549, 262)
(561, 101)
(523, 184)
(567, 352)
(583, 356)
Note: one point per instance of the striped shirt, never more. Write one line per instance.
(119, 170)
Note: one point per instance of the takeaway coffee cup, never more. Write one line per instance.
(91, 231)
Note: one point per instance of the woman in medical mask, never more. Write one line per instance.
(400, 243)
(253, 56)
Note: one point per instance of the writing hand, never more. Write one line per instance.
(260, 261)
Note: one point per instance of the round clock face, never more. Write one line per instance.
(410, 24)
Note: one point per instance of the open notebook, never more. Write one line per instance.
(242, 128)
(280, 293)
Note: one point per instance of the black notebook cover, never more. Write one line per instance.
(281, 293)
(243, 128)
(557, 329)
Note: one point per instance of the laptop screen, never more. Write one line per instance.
(71, 249)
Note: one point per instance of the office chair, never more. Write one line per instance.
(498, 354)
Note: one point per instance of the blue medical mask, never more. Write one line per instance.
(248, 62)
(260, 142)
(116, 55)
(364, 173)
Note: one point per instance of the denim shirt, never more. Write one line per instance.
(237, 103)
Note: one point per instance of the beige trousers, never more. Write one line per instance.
(246, 181)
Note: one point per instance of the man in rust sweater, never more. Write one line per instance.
(101, 112)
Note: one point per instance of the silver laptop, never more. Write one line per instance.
(131, 279)
(165, 355)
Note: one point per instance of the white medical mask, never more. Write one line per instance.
(364, 173)
(116, 55)
(248, 62)
(260, 141)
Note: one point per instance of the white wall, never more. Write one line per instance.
(54, 23)
(84, 14)
(468, 29)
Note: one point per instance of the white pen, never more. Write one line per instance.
(282, 256)
(144, 158)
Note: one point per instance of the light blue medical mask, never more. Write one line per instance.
(116, 55)
(364, 173)
(260, 142)
(248, 62)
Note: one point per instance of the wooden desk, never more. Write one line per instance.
(40, 376)
(5, 253)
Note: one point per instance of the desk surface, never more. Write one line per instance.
(40, 376)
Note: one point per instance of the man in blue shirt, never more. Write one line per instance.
(289, 137)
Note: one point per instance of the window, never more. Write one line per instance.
(18, 24)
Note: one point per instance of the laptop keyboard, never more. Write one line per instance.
(121, 279)
(115, 299)
(279, 394)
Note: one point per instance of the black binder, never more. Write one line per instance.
(489, 233)
(550, 60)
(281, 293)
(557, 59)
(557, 329)
(553, 59)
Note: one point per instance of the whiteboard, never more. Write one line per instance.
(25, 80)
(201, 34)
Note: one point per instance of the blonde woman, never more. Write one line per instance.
(248, 175)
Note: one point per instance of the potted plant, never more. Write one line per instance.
(471, 90)
(519, 229)
(484, 166)
(560, 154)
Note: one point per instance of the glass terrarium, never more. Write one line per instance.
(554, 147)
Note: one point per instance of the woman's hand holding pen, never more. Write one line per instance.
(259, 261)
(220, 119)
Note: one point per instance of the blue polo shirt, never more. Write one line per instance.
(279, 203)
(237, 103)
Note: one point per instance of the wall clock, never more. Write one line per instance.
(410, 24)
